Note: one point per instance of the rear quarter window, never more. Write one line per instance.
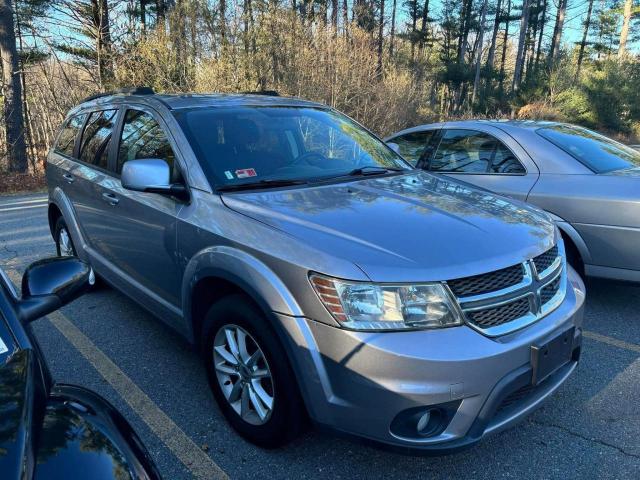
(67, 138)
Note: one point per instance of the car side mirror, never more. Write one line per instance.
(49, 284)
(394, 146)
(151, 175)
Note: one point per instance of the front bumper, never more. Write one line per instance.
(359, 382)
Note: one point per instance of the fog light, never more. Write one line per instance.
(423, 423)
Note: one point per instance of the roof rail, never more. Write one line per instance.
(126, 91)
(268, 93)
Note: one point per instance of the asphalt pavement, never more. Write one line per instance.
(589, 429)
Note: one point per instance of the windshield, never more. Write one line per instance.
(265, 144)
(601, 154)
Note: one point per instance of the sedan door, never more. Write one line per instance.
(485, 157)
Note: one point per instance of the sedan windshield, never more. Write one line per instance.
(601, 154)
(271, 146)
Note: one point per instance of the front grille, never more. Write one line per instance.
(516, 397)
(544, 261)
(548, 292)
(487, 282)
(492, 317)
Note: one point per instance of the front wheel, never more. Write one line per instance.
(249, 373)
(64, 244)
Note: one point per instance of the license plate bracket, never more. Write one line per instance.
(550, 356)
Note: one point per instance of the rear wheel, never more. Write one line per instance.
(249, 373)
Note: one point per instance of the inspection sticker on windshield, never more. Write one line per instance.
(228, 174)
(246, 173)
(3, 347)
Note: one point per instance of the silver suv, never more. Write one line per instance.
(320, 275)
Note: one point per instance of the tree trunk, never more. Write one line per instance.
(393, 28)
(557, 32)
(476, 81)
(160, 10)
(100, 12)
(543, 22)
(380, 37)
(414, 20)
(524, 22)
(222, 22)
(624, 33)
(494, 37)
(425, 21)
(504, 46)
(13, 116)
(585, 34)
(345, 15)
(143, 15)
(465, 22)
(334, 14)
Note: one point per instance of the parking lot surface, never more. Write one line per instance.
(589, 429)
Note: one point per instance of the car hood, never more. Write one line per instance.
(627, 172)
(408, 227)
(15, 415)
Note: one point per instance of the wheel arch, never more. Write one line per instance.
(570, 234)
(219, 271)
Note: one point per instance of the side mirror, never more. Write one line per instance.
(150, 175)
(394, 146)
(49, 284)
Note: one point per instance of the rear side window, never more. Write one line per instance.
(471, 151)
(67, 137)
(413, 145)
(143, 137)
(599, 153)
(94, 148)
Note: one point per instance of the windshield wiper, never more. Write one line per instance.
(265, 183)
(373, 170)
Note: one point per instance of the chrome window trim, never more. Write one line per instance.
(530, 287)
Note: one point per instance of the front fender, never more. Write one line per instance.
(243, 270)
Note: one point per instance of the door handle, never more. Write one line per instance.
(110, 198)
(68, 177)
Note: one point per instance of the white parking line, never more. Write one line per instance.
(183, 447)
(611, 341)
(11, 209)
(23, 202)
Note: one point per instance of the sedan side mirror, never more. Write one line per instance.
(51, 283)
(394, 146)
(151, 175)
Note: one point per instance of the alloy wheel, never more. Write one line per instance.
(66, 245)
(243, 374)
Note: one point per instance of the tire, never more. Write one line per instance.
(64, 246)
(67, 248)
(242, 391)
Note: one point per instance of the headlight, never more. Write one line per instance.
(366, 306)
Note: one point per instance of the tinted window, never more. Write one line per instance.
(470, 151)
(67, 137)
(413, 145)
(96, 138)
(143, 137)
(235, 144)
(599, 153)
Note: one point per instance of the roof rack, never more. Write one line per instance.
(126, 91)
(268, 93)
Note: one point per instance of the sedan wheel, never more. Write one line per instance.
(243, 374)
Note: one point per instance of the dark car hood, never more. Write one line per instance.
(410, 227)
(15, 414)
